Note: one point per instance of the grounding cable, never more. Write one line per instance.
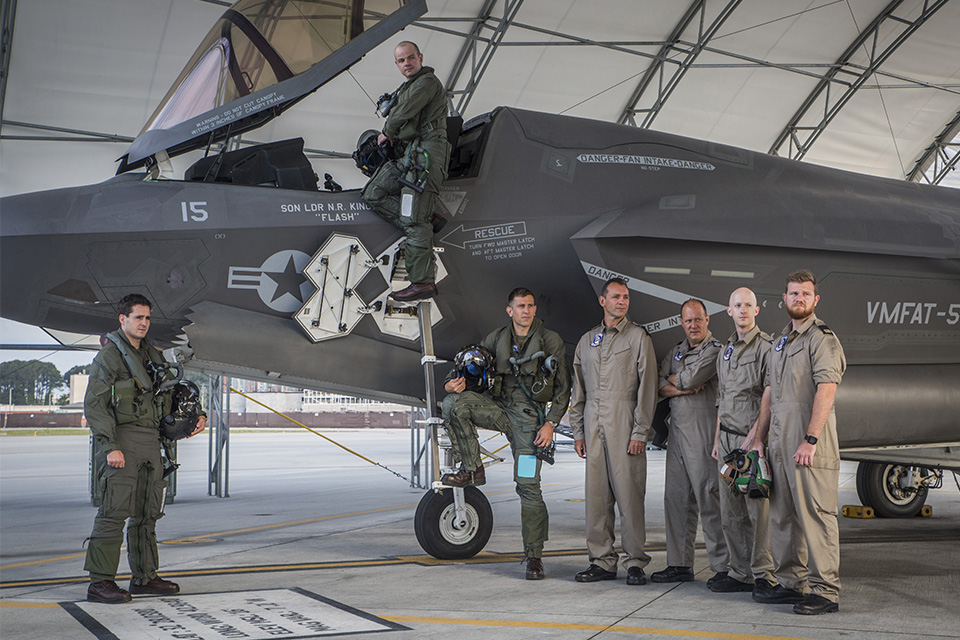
(300, 424)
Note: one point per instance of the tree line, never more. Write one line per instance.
(34, 382)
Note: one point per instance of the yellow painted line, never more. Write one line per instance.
(30, 605)
(529, 624)
(289, 524)
(205, 537)
(27, 564)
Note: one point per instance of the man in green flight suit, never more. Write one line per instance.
(536, 376)
(124, 413)
(416, 126)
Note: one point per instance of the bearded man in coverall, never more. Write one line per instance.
(518, 409)
(417, 128)
(741, 369)
(124, 411)
(688, 377)
(806, 365)
(611, 412)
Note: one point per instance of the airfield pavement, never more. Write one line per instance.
(319, 537)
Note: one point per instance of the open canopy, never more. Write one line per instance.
(261, 57)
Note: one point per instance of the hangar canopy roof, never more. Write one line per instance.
(865, 85)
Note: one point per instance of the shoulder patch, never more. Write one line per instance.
(825, 329)
(766, 337)
(716, 344)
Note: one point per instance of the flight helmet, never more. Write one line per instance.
(183, 416)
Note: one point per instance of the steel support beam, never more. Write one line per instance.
(941, 157)
(218, 447)
(470, 59)
(656, 71)
(797, 138)
(8, 19)
(77, 135)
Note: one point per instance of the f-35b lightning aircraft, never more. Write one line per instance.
(265, 277)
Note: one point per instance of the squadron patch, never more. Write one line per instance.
(782, 341)
(716, 344)
(679, 356)
(728, 352)
(597, 339)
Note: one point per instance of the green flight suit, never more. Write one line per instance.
(123, 413)
(417, 125)
(512, 413)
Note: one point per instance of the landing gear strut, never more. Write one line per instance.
(451, 523)
(894, 490)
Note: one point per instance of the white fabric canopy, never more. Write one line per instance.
(739, 74)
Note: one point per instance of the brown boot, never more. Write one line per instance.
(107, 592)
(534, 569)
(464, 478)
(157, 587)
(416, 291)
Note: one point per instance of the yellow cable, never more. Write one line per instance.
(309, 429)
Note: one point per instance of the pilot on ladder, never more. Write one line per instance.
(529, 370)
(404, 190)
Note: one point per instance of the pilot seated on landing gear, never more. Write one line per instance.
(473, 365)
(404, 190)
(524, 367)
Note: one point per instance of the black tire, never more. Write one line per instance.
(878, 487)
(434, 524)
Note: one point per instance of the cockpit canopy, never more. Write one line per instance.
(261, 57)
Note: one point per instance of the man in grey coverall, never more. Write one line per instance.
(688, 376)
(611, 410)
(741, 368)
(806, 365)
(124, 411)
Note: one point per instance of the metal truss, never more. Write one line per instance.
(690, 52)
(76, 135)
(8, 18)
(796, 139)
(468, 55)
(941, 157)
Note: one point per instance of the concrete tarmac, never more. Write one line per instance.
(305, 516)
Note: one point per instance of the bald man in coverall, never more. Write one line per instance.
(611, 412)
(688, 377)
(806, 365)
(741, 369)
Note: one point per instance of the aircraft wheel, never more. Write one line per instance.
(438, 532)
(879, 485)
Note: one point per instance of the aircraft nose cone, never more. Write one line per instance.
(41, 263)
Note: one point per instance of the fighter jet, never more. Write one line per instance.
(256, 273)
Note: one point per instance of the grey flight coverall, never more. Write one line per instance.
(804, 535)
(417, 125)
(741, 369)
(512, 413)
(614, 396)
(692, 481)
(123, 413)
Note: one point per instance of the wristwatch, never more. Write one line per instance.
(811, 439)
